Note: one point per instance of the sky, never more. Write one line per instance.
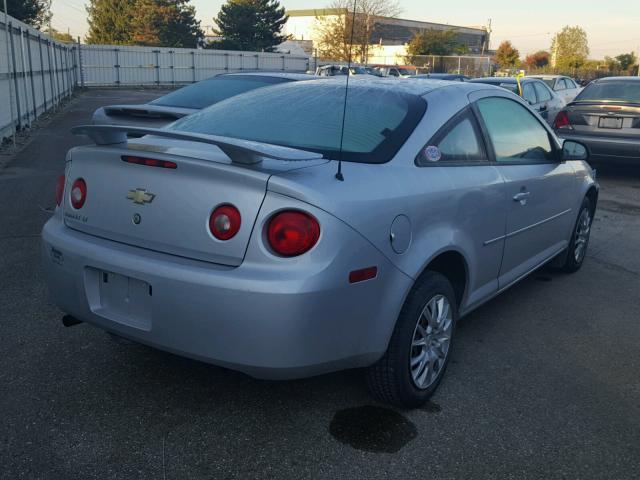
(612, 26)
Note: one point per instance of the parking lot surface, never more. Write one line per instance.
(544, 380)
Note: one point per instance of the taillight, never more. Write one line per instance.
(291, 233)
(562, 120)
(78, 193)
(59, 189)
(224, 222)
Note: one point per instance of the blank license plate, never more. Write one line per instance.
(609, 122)
(122, 299)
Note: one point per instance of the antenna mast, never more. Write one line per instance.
(339, 175)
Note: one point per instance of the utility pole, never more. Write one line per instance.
(487, 40)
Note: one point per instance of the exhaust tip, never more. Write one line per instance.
(69, 321)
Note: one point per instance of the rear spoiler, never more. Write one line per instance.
(245, 152)
(142, 112)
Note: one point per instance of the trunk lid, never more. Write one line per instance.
(173, 205)
(612, 120)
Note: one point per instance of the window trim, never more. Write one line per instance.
(465, 113)
(557, 158)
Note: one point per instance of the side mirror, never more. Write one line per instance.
(572, 150)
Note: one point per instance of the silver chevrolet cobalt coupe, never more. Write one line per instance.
(271, 235)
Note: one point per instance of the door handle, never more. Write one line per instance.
(521, 197)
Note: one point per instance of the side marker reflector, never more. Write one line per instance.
(363, 274)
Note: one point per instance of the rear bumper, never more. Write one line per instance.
(607, 149)
(268, 323)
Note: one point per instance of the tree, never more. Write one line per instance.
(110, 21)
(507, 56)
(59, 36)
(253, 25)
(569, 48)
(613, 65)
(32, 12)
(627, 60)
(539, 59)
(435, 42)
(165, 23)
(337, 26)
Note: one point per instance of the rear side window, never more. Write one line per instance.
(570, 83)
(515, 133)
(308, 116)
(213, 90)
(544, 95)
(458, 143)
(626, 91)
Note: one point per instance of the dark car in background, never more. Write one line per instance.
(605, 116)
(192, 98)
(537, 93)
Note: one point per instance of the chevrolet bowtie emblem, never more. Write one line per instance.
(140, 196)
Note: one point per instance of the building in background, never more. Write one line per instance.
(389, 37)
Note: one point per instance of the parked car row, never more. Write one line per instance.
(277, 226)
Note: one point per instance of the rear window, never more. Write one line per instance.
(308, 116)
(213, 90)
(613, 91)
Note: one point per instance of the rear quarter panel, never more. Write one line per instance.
(449, 208)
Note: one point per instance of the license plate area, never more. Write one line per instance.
(610, 122)
(119, 298)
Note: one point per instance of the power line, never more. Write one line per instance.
(72, 6)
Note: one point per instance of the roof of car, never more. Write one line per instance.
(258, 73)
(403, 85)
(499, 80)
(547, 76)
(440, 75)
(608, 79)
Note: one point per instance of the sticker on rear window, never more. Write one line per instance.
(433, 153)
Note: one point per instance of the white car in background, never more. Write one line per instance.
(565, 87)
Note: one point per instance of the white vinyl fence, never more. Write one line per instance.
(103, 65)
(36, 74)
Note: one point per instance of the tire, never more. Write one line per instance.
(392, 379)
(577, 249)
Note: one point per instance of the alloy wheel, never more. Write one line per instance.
(583, 228)
(431, 341)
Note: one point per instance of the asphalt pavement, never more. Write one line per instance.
(544, 381)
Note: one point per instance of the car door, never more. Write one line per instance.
(545, 104)
(462, 189)
(538, 187)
